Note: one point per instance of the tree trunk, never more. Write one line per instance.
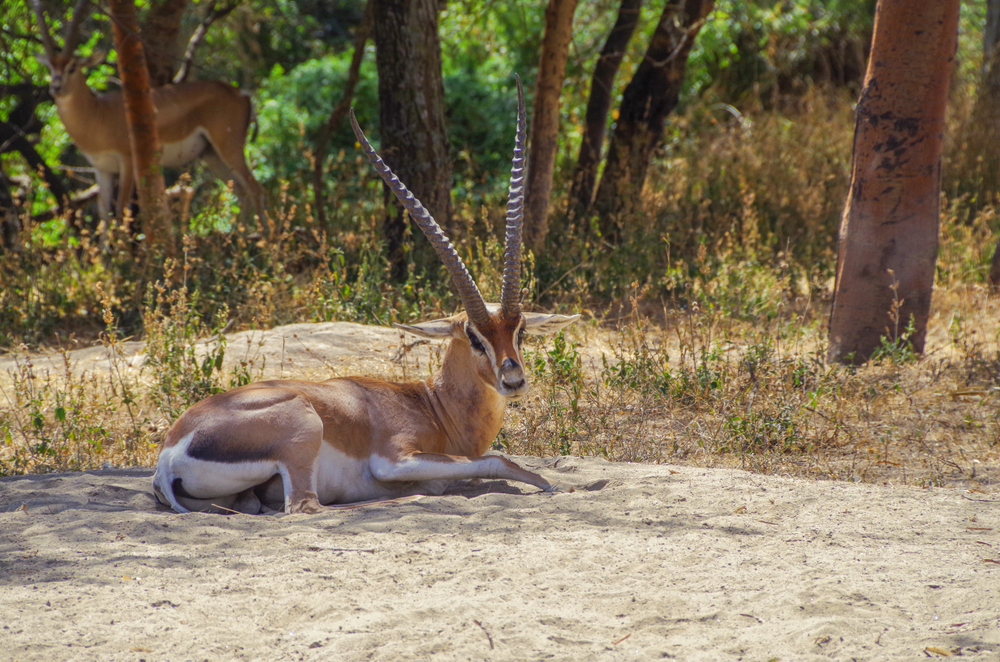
(140, 115)
(599, 104)
(994, 275)
(411, 114)
(889, 229)
(10, 221)
(991, 33)
(338, 114)
(545, 119)
(987, 116)
(651, 95)
(161, 31)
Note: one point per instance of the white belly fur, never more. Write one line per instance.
(344, 479)
(174, 154)
(110, 162)
(184, 151)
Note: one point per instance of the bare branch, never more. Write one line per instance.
(211, 16)
(43, 30)
(73, 29)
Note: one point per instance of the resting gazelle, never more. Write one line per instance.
(205, 120)
(356, 438)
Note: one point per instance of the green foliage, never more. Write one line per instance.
(560, 370)
(292, 107)
(769, 48)
(760, 432)
(183, 373)
(897, 349)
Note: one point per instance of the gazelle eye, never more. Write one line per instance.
(520, 337)
(477, 345)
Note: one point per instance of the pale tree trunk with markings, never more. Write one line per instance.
(889, 229)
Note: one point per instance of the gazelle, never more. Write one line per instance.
(354, 439)
(198, 119)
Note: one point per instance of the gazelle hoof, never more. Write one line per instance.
(309, 506)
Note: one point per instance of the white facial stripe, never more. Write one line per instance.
(488, 346)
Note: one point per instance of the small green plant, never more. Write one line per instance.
(897, 350)
(760, 432)
(558, 372)
(185, 368)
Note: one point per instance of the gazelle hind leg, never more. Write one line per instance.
(235, 169)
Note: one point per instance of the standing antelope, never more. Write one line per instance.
(198, 119)
(355, 438)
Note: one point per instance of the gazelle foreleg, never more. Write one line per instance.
(126, 186)
(419, 467)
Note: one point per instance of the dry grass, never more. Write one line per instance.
(760, 396)
(705, 341)
(701, 389)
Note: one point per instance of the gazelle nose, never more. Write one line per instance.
(512, 378)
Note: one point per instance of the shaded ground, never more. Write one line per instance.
(641, 562)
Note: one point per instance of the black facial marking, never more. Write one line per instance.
(477, 345)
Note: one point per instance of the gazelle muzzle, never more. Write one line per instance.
(513, 384)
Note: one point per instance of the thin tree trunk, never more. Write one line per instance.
(991, 33)
(140, 115)
(987, 116)
(411, 115)
(544, 138)
(338, 114)
(994, 275)
(161, 29)
(889, 230)
(10, 221)
(599, 104)
(651, 95)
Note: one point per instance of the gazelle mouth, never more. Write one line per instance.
(513, 391)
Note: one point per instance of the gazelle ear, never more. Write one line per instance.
(95, 58)
(542, 324)
(434, 329)
(43, 58)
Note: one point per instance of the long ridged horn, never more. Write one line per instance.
(510, 294)
(43, 30)
(467, 290)
(73, 29)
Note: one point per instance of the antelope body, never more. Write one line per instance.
(299, 445)
(198, 119)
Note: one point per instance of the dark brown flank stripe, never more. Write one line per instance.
(204, 447)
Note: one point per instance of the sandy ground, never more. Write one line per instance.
(641, 562)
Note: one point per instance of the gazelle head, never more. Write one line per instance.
(492, 333)
(66, 69)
